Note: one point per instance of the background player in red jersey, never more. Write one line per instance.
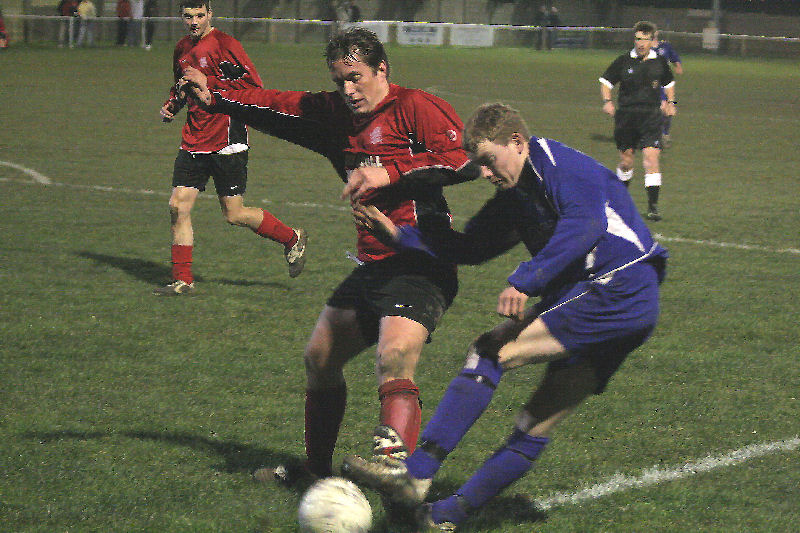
(214, 146)
(379, 137)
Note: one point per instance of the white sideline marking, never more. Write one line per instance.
(657, 236)
(38, 178)
(656, 474)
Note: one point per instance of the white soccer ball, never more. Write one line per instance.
(334, 505)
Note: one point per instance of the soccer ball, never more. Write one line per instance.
(334, 505)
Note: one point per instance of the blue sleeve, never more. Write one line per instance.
(672, 55)
(578, 192)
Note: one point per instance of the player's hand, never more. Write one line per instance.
(511, 303)
(195, 81)
(371, 219)
(362, 180)
(166, 113)
(609, 109)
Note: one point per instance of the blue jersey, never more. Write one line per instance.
(668, 52)
(574, 216)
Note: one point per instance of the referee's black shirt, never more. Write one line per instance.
(640, 80)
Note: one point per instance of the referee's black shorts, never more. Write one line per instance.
(637, 128)
(413, 285)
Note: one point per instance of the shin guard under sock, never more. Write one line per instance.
(323, 416)
(504, 467)
(274, 229)
(400, 410)
(466, 398)
(182, 262)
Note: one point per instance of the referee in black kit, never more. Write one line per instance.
(641, 74)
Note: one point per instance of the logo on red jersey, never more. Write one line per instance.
(452, 135)
(204, 62)
(376, 136)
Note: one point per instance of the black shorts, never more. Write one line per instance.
(229, 172)
(411, 284)
(638, 129)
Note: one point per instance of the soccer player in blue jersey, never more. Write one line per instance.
(668, 52)
(596, 270)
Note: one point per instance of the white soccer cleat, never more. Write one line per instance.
(296, 255)
(388, 476)
(176, 288)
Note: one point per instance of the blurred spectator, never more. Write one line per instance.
(354, 12)
(135, 27)
(346, 12)
(66, 31)
(150, 10)
(540, 19)
(123, 20)
(87, 13)
(3, 34)
(552, 23)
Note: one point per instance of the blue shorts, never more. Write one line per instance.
(603, 322)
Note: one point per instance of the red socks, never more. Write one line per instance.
(182, 263)
(324, 413)
(274, 229)
(400, 410)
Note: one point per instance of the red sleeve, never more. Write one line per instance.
(177, 72)
(232, 51)
(437, 130)
(299, 104)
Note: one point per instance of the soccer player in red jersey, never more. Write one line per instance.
(381, 138)
(214, 146)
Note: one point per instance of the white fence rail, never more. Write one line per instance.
(70, 32)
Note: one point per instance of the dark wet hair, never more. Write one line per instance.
(357, 43)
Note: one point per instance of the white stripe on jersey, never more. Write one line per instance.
(618, 227)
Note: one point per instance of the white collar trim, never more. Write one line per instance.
(651, 55)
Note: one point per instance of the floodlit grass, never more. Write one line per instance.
(120, 411)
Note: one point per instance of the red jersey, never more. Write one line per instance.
(409, 130)
(223, 60)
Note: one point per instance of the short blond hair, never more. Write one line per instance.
(495, 123)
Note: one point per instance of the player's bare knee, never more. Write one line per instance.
(394, 361)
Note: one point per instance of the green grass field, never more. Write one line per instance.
(123, 412)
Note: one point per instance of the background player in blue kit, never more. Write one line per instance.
(596, 270)
(668, 52)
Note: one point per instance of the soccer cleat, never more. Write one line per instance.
(296, 255)
(425, 521)
(652, 212)
(386, 442)
(176, 288)
(388, 476)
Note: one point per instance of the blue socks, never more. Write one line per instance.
(507, 465)
(466, 398)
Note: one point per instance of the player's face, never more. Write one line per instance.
(643, 43)
(197, 21)
(361, 86)
(502, 164)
